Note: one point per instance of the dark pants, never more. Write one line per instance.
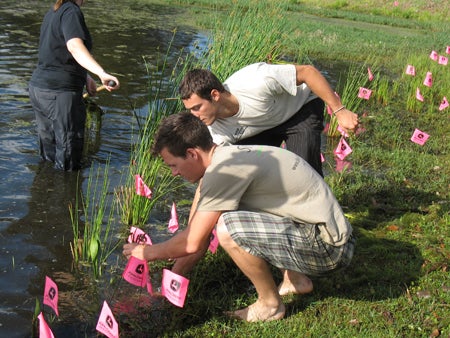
(60, 119)
(301, 133)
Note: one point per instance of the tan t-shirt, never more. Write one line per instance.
(272, 180)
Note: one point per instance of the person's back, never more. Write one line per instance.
(272, 180)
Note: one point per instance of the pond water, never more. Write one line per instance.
(35, 228)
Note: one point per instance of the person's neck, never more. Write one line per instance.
(229, 105)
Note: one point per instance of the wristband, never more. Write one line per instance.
(338, 110)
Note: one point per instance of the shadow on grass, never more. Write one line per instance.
(380, 269)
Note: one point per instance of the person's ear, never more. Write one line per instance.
(191, 153)
(215, 95)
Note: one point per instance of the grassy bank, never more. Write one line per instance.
(396, 193)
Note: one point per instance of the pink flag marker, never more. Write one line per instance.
(342, 165)
(213, 242)
(173, 222)
(419, 137)
(136, 272)
(141, 188)
(428, 80)
(434, 55)
(342, 131)
(107, 324)
(419, 96)
(51, 294)
(364, 93)
(343, 149)
(174, 287)
(410, 70)
(443, 60)
(44, 329)
(329, 111)
(444, 104)
(447, 50)
(322, 158)
(139, 236)
(370, 74)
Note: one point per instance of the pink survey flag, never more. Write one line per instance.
(136, 272)
(141, 188)
(419, 137)
(428, 79)
(443, 60)
(434, 55)
(173, 222)
(370, 74)
(342, 131)
(444, 104)
(343, 149)
(342, 165)
(213, 242)
(419, 96)
(174, 287)
(283, 145)
(322, 158)
(447, 50)
(107, 324)
(410, 70)
(44, 329)
(364, 93)
(139, 236)
(51, 294)
(329, 111)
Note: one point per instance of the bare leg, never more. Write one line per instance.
(294, 283)
(269, 305)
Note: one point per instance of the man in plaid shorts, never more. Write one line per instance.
(268, 207)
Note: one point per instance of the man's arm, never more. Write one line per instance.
(319, 85)
(190, 241)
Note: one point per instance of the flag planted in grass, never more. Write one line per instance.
(443, 60)
(107, 324)
(419, 137)
(343, 149)
(44, 329)
(51, 294)
(364, 93)
(141, 188)
(174, 287)
(139, 236)
(419, 96)
(410, 70)
(173, 222)
(136, 272)
(370, 75)
(428, 79)
(434, 55)
(444, 104)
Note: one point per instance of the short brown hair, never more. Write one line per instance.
(200, 82)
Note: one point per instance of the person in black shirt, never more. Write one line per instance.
(56, 86)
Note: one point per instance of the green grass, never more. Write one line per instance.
(396, 194)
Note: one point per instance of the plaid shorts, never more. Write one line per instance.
(287, 244)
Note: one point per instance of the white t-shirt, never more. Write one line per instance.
(268, 95)
(260, 179)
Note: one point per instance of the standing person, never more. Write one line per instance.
(263, 216)
(266, 104)
(56, 86)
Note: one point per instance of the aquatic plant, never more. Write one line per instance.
(94, 244)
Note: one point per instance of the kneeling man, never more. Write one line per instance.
(268, 206)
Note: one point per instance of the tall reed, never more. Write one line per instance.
(95, 245)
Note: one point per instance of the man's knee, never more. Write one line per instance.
(222, 233)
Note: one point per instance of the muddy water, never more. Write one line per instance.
(35, 226)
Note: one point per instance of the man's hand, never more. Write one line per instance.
(347, 119)
(134, 249)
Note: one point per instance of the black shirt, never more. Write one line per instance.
(57, 69)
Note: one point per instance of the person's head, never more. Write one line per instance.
(200, 91)
(59, 3)
(180, 140)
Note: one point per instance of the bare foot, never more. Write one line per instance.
(258, 312)
(294, 283)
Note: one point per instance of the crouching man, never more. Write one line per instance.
(268, 206)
